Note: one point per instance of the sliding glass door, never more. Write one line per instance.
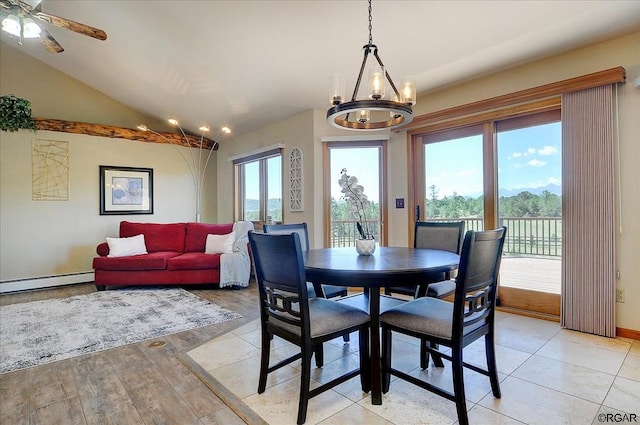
(530, 205)
(501, 172)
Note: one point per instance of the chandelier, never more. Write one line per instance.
(196, 161)
(375, 112)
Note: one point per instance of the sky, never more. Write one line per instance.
(527, 158)
(274, 168)
(359, 162)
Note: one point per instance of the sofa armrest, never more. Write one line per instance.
(102, 249)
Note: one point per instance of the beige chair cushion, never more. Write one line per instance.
(326, 317)
(429, 316)
(441, 289)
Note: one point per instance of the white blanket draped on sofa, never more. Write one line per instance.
(235, 268)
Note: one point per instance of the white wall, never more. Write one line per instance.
(41, 239)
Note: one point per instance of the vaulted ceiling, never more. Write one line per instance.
(246, 64)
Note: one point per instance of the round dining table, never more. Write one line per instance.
(388, 266)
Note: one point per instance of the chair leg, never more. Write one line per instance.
(305, 379)
(489, 347)
(458, 385)
(424, 354)
(386, 359)
(437, 360)
(264, 361)
(319, 353)
(365, 360)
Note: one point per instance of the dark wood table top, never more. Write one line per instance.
(344, 267)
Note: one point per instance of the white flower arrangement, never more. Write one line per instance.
(354, 196)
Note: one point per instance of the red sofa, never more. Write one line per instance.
(176, 256)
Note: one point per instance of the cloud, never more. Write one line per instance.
(529, 151)
(547, 150)
(553, 180)
(468, 172)
(537, 163)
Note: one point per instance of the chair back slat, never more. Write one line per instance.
(446, 235)
(477, 278)
(281, 277)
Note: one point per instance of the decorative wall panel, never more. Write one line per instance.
(50, 170)
(296, 179)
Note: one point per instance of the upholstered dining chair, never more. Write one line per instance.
(444, 235)
(287, 311)
(301, 229)
(453, 324)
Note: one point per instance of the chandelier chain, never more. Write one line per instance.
(370, 36)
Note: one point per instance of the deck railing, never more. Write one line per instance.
(525, 236)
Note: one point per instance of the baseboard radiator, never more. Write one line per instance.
(16, 285)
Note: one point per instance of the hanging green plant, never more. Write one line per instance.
(15, 113)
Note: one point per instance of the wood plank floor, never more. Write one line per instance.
(129, 385)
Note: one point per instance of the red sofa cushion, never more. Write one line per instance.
(157, 237)
(152, 261)
(194, 261)
(196, 238)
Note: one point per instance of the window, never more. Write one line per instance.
(365, 161)
(258, 182)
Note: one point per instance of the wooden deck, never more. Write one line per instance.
(531, 273)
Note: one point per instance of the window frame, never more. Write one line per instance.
(239, 183)
(381, 144)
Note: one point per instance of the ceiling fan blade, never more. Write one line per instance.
(49, 42)
(72, 25)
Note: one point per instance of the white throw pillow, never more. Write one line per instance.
(220, 244)
(123, 247)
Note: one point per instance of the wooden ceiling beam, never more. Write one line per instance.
(123, 133)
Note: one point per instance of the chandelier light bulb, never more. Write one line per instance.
(336, 96)
(408, 91)
(395, 114)
(376, 82)
(204, 128)
(143, 127)
(226, 130)
(173, 121)
(364, 116)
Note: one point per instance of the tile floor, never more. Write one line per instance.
(548, 375)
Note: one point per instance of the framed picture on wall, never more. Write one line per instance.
(126, 190)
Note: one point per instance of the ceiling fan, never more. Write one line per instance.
(19, 19)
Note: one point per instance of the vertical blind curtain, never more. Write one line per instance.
(588, 211)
